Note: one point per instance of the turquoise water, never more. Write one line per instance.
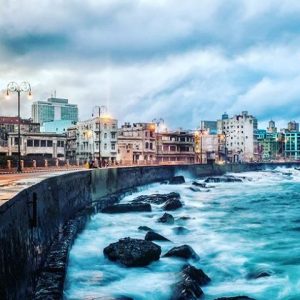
(237, 229)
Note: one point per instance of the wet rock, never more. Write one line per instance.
(177, 180)
(193, 189)
(128, 207)
(223, 179)
(235, 298)
(196, 274)
(184, 251)
(259, 274)
(185, 218)
(172, 204)
(133, 252)
(145, 228)
(166, 218)
(164, 182)
(186, 289)
(198, 184)
(180, 230)
(153, 236)
(156, 198)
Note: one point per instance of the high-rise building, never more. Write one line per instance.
(240, 138)
(272, 128)
(54, 109)
(209, 126)
(293, 126)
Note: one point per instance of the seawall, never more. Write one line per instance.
(34, 218)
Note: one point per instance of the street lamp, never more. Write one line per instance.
(157, 123)
(101, 109)
(18, 88)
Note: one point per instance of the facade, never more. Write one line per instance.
(239, 135)
(46, 145)
(176, 146)
(270, 144)
(137, 143)
(72, 143)
(54, 109)
(292, 145)
(272, 127)
(88, 139)
(207, 146)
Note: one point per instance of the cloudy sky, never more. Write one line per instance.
(183, 61)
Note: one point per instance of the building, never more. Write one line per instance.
(292, 145)
(270, 144)
(58, 126)
(176, 146)
(54, 109)
(209, 126)
(272, 127)
(137, 143)
(239, 135)
(293, 126)
(72, 143)
(93, 141)
(36, 145)
(11, 125)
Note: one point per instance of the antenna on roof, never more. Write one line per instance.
(54, 93)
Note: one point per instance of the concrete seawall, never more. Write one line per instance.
(34, 218)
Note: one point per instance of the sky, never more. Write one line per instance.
(183, 61)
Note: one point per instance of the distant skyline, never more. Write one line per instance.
(182, 61)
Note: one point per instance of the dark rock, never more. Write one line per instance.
(235, 298)
(172, 204)
(180, 230)
(156, 198)
(195, 183)
(145, 228)
(223, 179)
(166, 218)
(196, 274)
(153, 236)
(133, 252)
(186, 289)
(128, 207)
(259, 273)
(185, 218)
(123, 298)
(177, 180)
(194, 189)
(183, 251)
(164, 182)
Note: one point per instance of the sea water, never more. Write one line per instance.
(239, 230)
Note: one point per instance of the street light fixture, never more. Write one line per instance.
(100, 109)
(18, 88)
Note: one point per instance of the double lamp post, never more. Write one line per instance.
(19, 88)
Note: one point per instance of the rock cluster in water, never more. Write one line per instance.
(133, 252)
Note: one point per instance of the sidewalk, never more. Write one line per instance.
(11, 184)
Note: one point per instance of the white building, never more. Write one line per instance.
(89, 136)
(239, 135)
(47, 145)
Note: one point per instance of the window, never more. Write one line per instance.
(105, 146)
(105, 135)
(113, 146)
(49, 143)
(105, 126)
(147, 145)
(16, 141)
(151, 146)
(36, 143)
(29, 143)
(43, 143)
(113, 135)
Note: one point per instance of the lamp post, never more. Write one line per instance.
(157, 123)
(100, 109)
(18, 88)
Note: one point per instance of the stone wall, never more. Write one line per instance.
(33, 219)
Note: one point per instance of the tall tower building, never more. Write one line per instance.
(54, 109)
